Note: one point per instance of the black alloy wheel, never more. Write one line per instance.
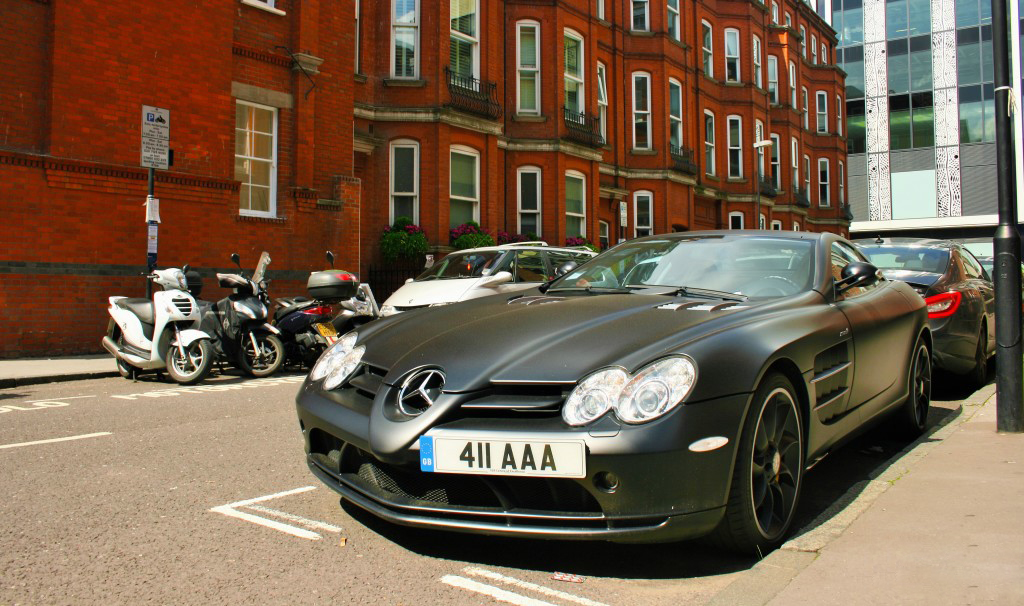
(769, 469)
(261, 354)
(979, 374)
(914, 414)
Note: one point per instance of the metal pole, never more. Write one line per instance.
(1009, 399)
(757, 186)
(149, 263)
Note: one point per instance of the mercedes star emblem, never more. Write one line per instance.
(420, 391)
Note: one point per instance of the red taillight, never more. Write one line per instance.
(346, 277)
(943, 305)
(323, 310)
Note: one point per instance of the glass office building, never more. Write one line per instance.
(920, 115)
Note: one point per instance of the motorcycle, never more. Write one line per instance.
(306, 324)
(145, 334)
(238, 323)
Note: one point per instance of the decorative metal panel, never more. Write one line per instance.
(876, 122)
(947, 181)
(874, 21)
(947, 117)
(946, 104)
(943, 59)
(879, 188)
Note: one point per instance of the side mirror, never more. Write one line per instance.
(185, 269)
(236, 260)
(856, 274)
(330, 258)
(497, 279)
(429, 262)
(565, 268)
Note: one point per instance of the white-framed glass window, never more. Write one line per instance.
(761, 223)
(355, 52)
(789, 19)
(796, 226)
(803, 42)
(807, 177)
(528, 66)
(643, 213)
(842, 184)
(775, 12)
(405, 180)
(773, 79)
(256, 158)
(776, 162)
(675, 114)
(673, 19)
(575, 204)
(839, 115)
(756, 48)
(600, 9)
(529, 178)
(603, 235)
(463, 57)
(732, 55)
(464, 191)
(776, 225)
(807, 114)
(814, 49)
(735, 220)
(824, 54)
(405, 39)
(641, 110)
(734, 129)
(707, 49)
(821, 106)
(794, 161)
(602, 100)
(823, 199)
(792, 84)
(709, 142)
(759, 153)
(641, 16)
(573, 45)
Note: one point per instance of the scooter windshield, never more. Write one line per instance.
(261, 267)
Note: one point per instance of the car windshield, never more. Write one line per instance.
(751, 266)
(910, 258)
(461, 265)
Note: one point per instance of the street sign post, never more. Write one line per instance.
(155, 153)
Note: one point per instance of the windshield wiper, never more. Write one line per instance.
(684, 291)
(598, 290)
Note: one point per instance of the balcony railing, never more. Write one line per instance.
(767, 187)
(682, 160)
(472, 95)
(801, 198)
(582, 128)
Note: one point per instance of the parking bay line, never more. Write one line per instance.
(51, 441)
(494, 576)
(231, 510)
(498, 594)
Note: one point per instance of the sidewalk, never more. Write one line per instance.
(31, 371)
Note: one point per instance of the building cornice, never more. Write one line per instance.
(550, 146)
(662, 174)
(443, 115)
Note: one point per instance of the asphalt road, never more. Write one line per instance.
(121, 492)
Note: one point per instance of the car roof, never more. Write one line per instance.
(764, 233)
(920, 242)
(526, 246)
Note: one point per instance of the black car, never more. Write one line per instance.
(673, 386)
(959, 294)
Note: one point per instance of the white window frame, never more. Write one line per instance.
(536, 170)
(824, 54)
(792, 84)
(759, 153)
(709, 143)
(600, 9)
(842, 185)
(776, 225)
(474, 41)
(807, 108)
(358, 55)
(734, 145)
(807, 176)
(272, 189)
(636, 214)
(775, 12)
(415, 193)
(814, 49)
(794, 161)
(675, 123)
(821, 112)
(647, 15)
(773, 79)
(602, 99)
(796, 226)
(639, 112)
(735, 58)
(575, 174)
(803, 42)
(756, 53)
(604, 233)
(762, 222)
(672, 19)
(827, 202)
(582, 77)
(707, 49)
(736, 215)
(467, 151)
(521, 71)
(415, 27)
(789, 19)
(775, 160)
(839, 115)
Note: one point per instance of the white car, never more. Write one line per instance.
(478, 272)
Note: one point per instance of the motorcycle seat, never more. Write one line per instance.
(142, 308)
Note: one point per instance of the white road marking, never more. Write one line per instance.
(231, 510)
(494, 576)
(40, 404)
(198, 389)
(60, 399)
(67, 439)
(498, 594)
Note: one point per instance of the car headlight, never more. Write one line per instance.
(644, 396)
(388, 310)
(338, 362)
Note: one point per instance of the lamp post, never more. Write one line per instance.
(759, 146)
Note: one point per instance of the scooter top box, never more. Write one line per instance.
(332, 285)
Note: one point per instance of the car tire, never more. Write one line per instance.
(768, 472)
(979, 374)
(913, 414)
(270, 346)
(196, 365)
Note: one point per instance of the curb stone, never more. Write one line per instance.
(78, 376)
(772, 574)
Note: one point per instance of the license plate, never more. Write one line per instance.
(503, 456)
(326, 330)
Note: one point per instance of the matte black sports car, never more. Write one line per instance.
(672, 387)
(959, 294)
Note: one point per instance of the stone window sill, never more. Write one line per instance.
(528, 118)
(263, 6)
(402, 82)
(643, 152)
(360, 77)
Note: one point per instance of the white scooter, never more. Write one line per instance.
(162, 333)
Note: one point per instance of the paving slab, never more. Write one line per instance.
(32, 371)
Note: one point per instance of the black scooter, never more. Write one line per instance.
(238, 323)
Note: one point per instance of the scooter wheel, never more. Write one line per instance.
(267, 360)
(196, 364)
(124, 369)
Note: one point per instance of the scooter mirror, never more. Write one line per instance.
(185, 269)
(236, 260)
(330, 258)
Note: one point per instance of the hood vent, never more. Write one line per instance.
(708, 307)
(539, 300)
